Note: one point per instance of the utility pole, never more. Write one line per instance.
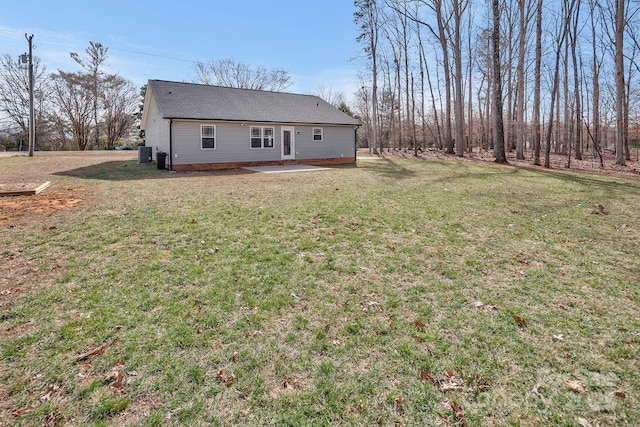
(32, 123)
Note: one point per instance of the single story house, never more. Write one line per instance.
(203, 127)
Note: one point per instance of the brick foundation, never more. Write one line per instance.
(238, 165)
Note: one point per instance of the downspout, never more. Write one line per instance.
(355, 143)
(170, 145)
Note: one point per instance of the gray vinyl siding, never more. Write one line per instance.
(232, 143)
(337, 141)
(156, 133)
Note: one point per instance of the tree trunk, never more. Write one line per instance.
(442, 38)
(620, 86)
(470, 84)
(520, 132)
(568, 13)
(597, 61)
(576, 86)
(537, 85)
(459, 95)
(498, 127)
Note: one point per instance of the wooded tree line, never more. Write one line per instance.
(463, 75)
(90, 109)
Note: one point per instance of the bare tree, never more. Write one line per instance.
(14, 92)
(576, 86)
(620, 23)
(524, 12)
(367, 16)
(567, 13)
(328, 94)
(120, 100)
(459, 7)
(498, 127)
(441, 36)
(537, 86)
(231, 72)
(73, 98)
(597, 59)
(96, 57)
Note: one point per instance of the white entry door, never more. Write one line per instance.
(288, 143)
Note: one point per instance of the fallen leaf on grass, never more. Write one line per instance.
(577, 386)
(230, 380)
(599, 210)
(520, 321)
(620, 393)
(583, 422)
(53, 419)
(117, 384)
(243, 392)
(420, 324)
(425, 375)
(399, 408)
(443, 384)
(458, 412)
(50, 392)
(96, 351)
(449, 385)
(482, 306)
(20, 412)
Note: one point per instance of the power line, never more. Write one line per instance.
(153, 54)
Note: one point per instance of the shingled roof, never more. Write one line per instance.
(203, 102)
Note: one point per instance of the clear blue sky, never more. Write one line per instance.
(314, 40)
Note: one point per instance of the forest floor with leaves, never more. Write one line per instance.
(590, 162)
(395, 292)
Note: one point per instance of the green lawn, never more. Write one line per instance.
(397, 292)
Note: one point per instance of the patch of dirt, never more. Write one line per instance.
(138, 411)
(19, 206)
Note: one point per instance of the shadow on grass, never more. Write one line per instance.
(604, 182)
(130, 170)
(387, 167)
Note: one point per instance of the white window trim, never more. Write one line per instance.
(215, 137)
(313, 135)
(262, 137)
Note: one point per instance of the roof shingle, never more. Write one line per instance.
(203, 102)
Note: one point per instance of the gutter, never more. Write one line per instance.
(275, 122)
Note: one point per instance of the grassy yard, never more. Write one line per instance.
(397, 292)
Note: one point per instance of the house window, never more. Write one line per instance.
(208, 137)
(317, 134)
(262, 137)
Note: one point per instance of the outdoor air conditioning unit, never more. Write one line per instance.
(144, 154)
